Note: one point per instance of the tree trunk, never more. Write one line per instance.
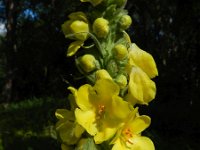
(11, 48)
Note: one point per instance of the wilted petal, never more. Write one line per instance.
(143, 60)
(74, 47)
(141, 88)
(66, 131)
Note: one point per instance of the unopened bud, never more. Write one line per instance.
(88, 62)
(101, 27)
(80, 29)
(120, 51)
(125, 22)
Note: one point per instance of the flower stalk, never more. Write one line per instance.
(103, 111)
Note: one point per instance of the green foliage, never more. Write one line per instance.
(27, 122)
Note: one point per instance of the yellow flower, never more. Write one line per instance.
(141, 89)
(77, 25)
(93, 2)
(142, 59)
(129, 136)
(101, 110)
(68, 130)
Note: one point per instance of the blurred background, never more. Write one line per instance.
(35, 73)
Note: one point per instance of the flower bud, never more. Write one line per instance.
(102, 74)
(100, 27)
(121, 80)
(125, 22)
(120, 51)
(77, 25)
(80, 29)
(88, 62)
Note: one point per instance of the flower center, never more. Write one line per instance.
(127, 134)
(100, 111)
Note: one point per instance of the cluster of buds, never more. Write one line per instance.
(104, 111)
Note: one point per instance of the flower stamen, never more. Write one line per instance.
(100, 111)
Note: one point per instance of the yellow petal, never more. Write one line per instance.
(64, 114)
(143, 60)
(104, 134)
(141, 88)
(119, 108)
(142, 143)
(80, 29)
(87, 120)
(81, 96)
(139, 124)
(119, 145)
(105, 89)
(74, 47)
(78, 16)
